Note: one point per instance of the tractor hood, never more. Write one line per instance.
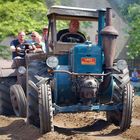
(86, 58)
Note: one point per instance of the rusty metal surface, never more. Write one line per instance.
(18, 62)
(36, 56)
(109, 29)
(63, 47)
(81, 74)
(109, 46)
(73, 11)
(108, 17)
(109, 34)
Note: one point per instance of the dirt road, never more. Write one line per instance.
(79, 126)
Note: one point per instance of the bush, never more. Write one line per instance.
(5, 52)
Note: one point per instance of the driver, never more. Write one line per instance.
(72, 34)
(16, 45)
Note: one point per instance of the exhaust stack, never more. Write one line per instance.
(109, 35)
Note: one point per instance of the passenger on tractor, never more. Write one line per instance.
(45, 37)
(37, 43)
(16, 45)
(44, 34)
(72, 34)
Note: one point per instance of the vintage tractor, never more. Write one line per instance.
(12, 87)
(13, 83)
(78, 77)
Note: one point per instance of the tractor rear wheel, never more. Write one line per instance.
(45, 109)
(5, 101)
(123, 93)
(18, 100)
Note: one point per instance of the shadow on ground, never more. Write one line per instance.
(97, 126)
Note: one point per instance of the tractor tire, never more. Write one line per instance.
(123, 93)
(35, 70)
(5, 101)
(18, 100)
(45, 109)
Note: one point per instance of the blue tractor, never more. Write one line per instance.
(79, 77)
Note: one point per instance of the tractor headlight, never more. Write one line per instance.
(52, 62)
(22, 70)
(121, 64)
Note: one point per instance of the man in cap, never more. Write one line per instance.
(44, 34)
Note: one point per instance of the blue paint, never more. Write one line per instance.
(90, 51)
(63, 85)
(63, 59)
(106, 94)
(80, 107)
(101, 24)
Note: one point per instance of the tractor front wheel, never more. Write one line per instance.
(35, 74)
(123, 94)
(45, 109)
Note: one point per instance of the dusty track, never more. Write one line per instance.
(79, 126)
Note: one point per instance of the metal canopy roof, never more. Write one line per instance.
(74, 12)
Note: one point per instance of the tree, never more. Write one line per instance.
(21, 15)
(134, 32)
(130, 10)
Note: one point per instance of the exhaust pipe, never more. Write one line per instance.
(109, 35)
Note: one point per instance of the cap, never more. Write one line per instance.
(45, 28)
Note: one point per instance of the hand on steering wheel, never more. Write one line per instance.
(21, 49)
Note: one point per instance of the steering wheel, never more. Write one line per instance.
(72, 37)
(23, 49)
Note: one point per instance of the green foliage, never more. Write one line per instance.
(134, 32)
(86, 24)
(5, 52)
(131, 12)
(124, 4)
(25, 15)
(3, 1)
(62, 25)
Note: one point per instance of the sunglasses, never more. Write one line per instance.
(33, 36)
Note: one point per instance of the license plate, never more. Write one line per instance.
(88, 61)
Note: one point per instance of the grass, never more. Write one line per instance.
(5, 52)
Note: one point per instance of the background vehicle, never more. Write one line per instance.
(7, 78)
(13, 84)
